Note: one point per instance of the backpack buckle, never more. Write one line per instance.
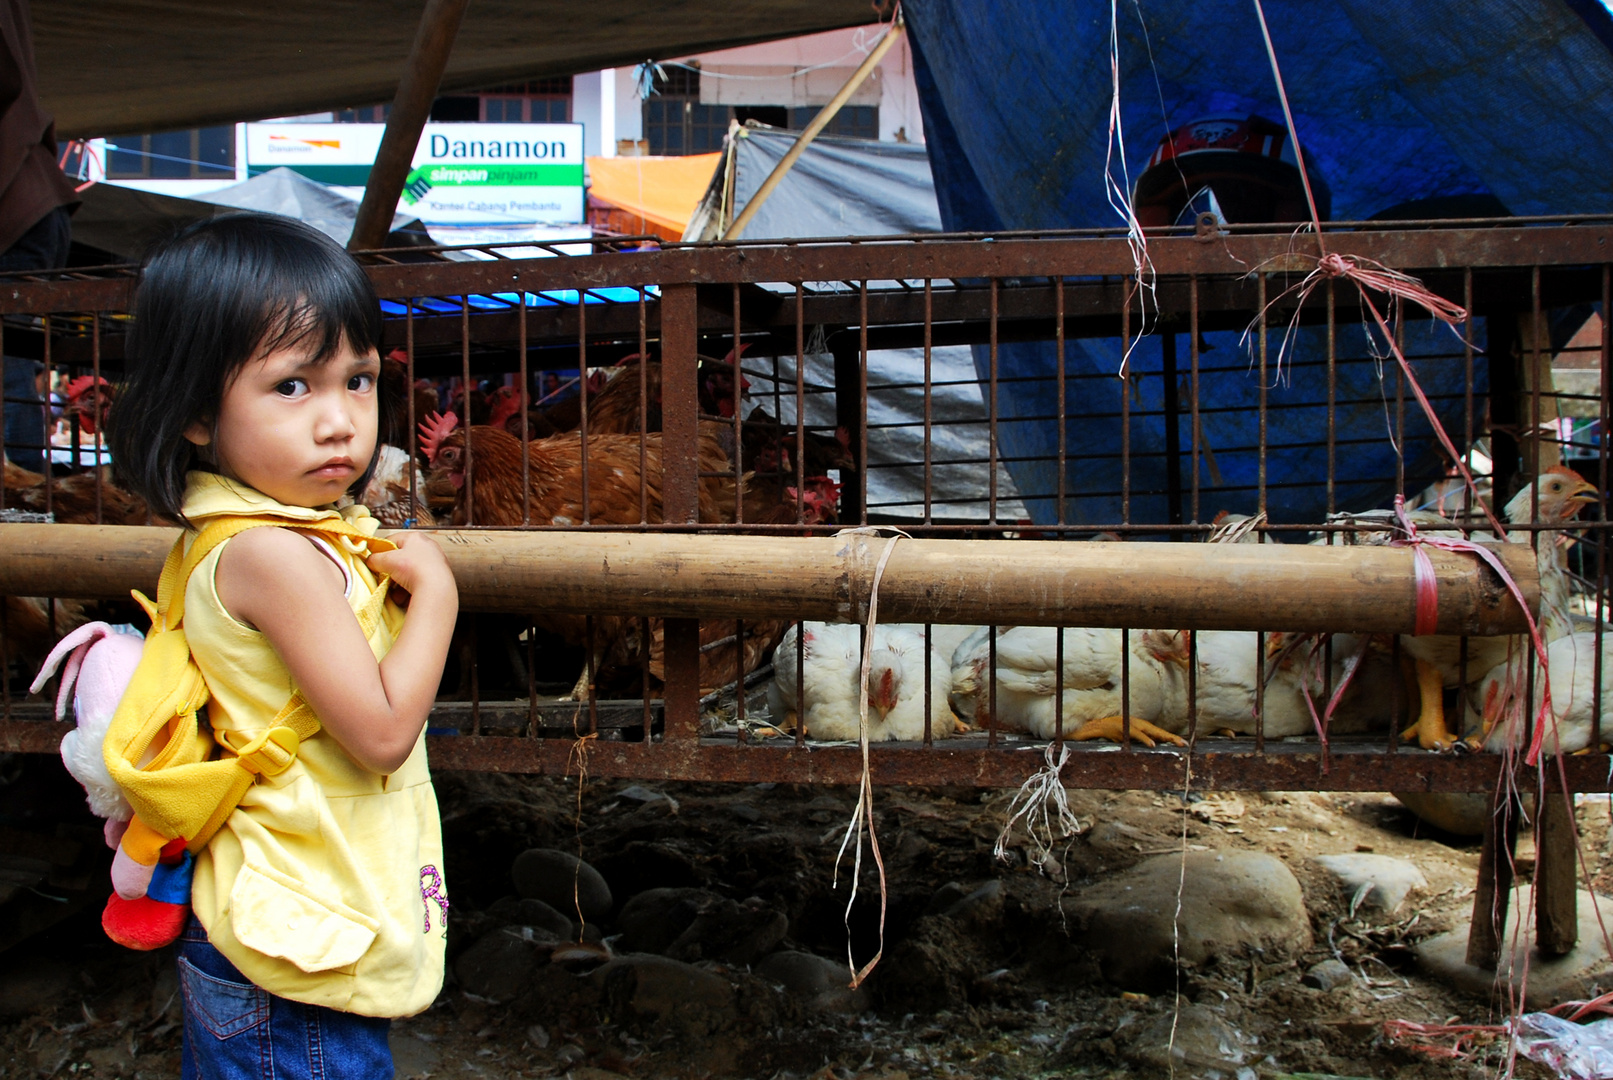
(271, 753)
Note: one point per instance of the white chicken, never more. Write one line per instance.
(1027, 682)
(944, 637)
(1228, 664)
(826, 684)
(1562, 494)
(387, 493)
(1494, 707)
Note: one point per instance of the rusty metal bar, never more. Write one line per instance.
(680, 494)
(1222, 765)
(1511, 246)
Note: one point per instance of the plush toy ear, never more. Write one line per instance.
(72, 647)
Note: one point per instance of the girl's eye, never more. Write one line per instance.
(361, 382)
(291, 388)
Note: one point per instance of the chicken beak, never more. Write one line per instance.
(1584, 495)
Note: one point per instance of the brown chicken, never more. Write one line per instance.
(553, 496)
(72, 498)
(33, 624)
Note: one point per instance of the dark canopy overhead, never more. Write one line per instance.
(108, 67)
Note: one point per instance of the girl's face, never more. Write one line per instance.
(300, 432)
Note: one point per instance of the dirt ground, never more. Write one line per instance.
(1004, 991)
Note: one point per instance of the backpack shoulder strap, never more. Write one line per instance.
(181, 564)
(272, 752)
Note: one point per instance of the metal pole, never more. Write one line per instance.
(819, 122)
(433, 41)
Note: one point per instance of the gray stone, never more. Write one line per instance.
(1327, 975)
(500, 964)
(1460, 813)
(1192, 1038)
(514, 911)
(981, 907)
(730, 932)
(666, 993)
(945, 897)
(562, 881)
(819, 983)
(1386, 879)
(1232, 903)
(653, 920)
(745, 812)
(411, 1057)
(1579, 975)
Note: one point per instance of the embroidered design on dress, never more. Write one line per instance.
(431, 889)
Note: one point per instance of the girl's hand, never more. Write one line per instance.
(417, 566)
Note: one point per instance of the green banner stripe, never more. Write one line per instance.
(482, 174)
(341, 175)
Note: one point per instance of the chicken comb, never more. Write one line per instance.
(398, 356)
(1560, 470)
(76, 387)
(827, 488)
(433, 430)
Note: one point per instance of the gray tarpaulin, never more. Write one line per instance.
(124, 221)
(858, 187)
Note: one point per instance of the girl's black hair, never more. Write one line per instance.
(212, 297)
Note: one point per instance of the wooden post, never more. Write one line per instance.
(417, 89)
(1556, 896)
(1294, 587)
(1534, 361)
(1507, 410)
(819, 122)
(847, 351)
(1493, 895)
(680, 490)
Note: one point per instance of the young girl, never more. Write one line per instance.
(319, 908)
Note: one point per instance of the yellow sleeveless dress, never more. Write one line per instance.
(325, 885)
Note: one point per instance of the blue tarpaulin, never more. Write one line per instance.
(1508, 99)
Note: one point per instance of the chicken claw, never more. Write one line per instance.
(1111, 728)
(1430, 729)
(962, 727)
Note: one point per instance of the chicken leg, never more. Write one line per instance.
(580, 691)
(1430, 728)
(1111, 728)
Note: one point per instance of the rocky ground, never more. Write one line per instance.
(702, 934)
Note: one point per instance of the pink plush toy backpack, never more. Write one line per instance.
(150, 899)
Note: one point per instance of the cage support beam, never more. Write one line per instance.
(1293, 587)
(411, 107)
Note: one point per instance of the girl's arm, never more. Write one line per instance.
(275, 580)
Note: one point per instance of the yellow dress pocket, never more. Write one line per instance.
(274, 914)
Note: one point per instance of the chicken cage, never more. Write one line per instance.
(650, 461)
(1103, 494)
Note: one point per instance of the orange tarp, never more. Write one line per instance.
(651, 194)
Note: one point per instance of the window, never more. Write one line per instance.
(675, 123)
(538, 101)
(856, 121)
(366, 114)
(198, 154)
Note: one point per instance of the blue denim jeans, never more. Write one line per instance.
(237, 1031)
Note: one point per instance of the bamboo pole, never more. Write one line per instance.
(819, 122)
(417, 89)
(1293, 587)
